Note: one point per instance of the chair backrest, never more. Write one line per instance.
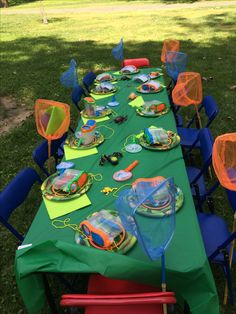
(211, 110)
(89, 79)
(40, 154)
(138, 62)
(76, 95)
(232, 199)
(16, 191)
(206, 143)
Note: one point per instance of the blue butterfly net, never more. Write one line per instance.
(118, 51)
(69, 78)
(153, 233)
(176, 63)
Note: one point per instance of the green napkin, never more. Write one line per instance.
(97, 120)
(71, 153)
(57, 209)
(97, 97)
(137, 102)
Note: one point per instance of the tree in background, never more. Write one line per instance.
(3, 3)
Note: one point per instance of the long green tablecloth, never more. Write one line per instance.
(54, 250)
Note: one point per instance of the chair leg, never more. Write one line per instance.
(49, 295)
(12, 230)
(229, 277)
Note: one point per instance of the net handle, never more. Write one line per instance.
(198, 116)
(231, 253)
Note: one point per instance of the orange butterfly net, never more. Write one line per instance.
(169, 45)
(52, 119)
(224, 160)
(188, 91)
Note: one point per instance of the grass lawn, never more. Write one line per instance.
(33, 56)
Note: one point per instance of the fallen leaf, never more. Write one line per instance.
(209, 78)
(233, 87)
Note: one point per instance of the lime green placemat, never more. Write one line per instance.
(137, 102)
(97, 120)
(58, 209)
(97, 97)
(71, 153)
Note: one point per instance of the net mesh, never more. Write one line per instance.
(69, 78)
(169, 45)
(153, 234)
(176, 63)
(118, 51)
(188, 89)
(224, 160)
(52, 118)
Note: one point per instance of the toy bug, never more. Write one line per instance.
(112, 159)
(120, 119)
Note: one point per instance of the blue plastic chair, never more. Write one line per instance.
(76, 95)
(40, 154)
(188, 135)
(88, 80)
(196, 175)
(14, 195)
(217, 239)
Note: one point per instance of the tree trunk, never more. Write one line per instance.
(3, 3)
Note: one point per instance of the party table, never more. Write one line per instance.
(54, 250)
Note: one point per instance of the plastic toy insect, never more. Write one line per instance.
(107, 190)
(120, 119)
(113, 158)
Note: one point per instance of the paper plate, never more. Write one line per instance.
(106, 112)
(173, 140)
(123, 73)
(93, 91)
(99, 82)
(124, 247)
(72, 142)
(140, 90)
(158, 74)
(47, 192)
(142, 113)
(162, 209)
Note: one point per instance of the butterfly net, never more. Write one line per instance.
(153, 234)
(52, 118)
(118, 51)
(169, 45)
(175, 63)
(188, 89)
(224, 160)
(69, 78)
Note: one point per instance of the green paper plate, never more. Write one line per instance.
(138, 70)
(72, 141)
(98, 82)
(155, 77)
(153, 92)
(49, 194)
(93, 91)
(164, 210)
(158, 114)
(107, 112)
(124, 247)
(174, 140)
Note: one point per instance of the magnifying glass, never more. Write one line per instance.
(126, 174)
